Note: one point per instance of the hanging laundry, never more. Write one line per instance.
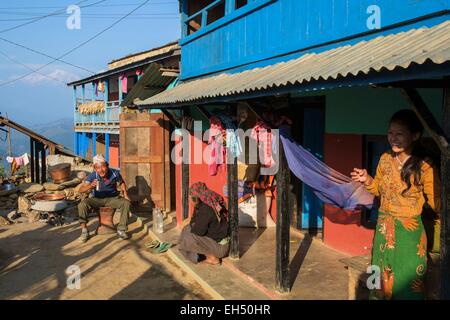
(229, 126)
(222, 137)
(216, 144)
(262, 134)
(330, 186)
(124, 80)
(101, 86)
(139, 72)
(18, 162)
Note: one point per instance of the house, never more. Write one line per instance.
(340, 71)
(100, 99)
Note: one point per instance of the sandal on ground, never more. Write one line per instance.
(163, 247)
(153, 245)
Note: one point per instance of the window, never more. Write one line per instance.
(198, 14)
(240, 3)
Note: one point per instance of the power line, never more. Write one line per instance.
(28, 67)
(45, 55)
(94, 5)
(45, 16)
(103, 17)
(80, 45)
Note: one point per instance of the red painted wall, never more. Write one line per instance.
(114, 154)
(342, 229)
(198, 173)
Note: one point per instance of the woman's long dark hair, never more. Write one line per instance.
(412, 167)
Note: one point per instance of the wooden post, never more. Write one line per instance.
(32, 160)
(283, 224)
(83, 93)
(36, 162)
(43, 163)
(445, 207)
(440, 135)
(185, 168)
(426, 117)
(171, 118)
(233, 209)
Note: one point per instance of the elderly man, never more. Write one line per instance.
(103, 185)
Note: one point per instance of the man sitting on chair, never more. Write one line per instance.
(103, 185)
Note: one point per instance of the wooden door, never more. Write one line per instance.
(145, 159)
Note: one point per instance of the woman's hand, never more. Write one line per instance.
(361, 175)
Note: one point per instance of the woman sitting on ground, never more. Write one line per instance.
(207, 233)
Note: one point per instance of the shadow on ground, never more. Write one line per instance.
(34, 259)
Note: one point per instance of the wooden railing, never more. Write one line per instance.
(109, 116)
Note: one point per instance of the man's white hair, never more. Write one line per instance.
(99, 159)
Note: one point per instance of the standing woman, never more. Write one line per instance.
(405, 180)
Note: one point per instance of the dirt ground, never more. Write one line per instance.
(34, 258)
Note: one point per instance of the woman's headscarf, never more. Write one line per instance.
(209, 197)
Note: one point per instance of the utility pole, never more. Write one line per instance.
(9, 139)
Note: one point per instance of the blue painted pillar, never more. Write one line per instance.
(83, 144)
(106, 97)
(184, 16)
(93, 92)
(107, 146)
(94, 144)
(120, 88)
(75, 119)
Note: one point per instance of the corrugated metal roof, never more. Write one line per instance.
(152, 82)
(385, 52)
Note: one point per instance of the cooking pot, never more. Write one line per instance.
(60, 173)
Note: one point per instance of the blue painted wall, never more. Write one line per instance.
(238, 42)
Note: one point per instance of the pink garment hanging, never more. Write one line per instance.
(124, 80)
(261, 132)
(139, 72)
(217, 149)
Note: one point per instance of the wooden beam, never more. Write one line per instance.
(171, 118)
(426, 117)
(36, 162)
(283, 224)
(185, 169)
(203, 111)
(43, 163)
(32, 160)
(420, 83)
(233, 209)
(445, 204)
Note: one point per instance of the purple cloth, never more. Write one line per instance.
(330, 186)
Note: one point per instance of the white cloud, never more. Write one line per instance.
(51, 75)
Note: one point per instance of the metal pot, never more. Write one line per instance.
(60, 173)
(48, 202)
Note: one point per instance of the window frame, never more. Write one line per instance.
(231, 14)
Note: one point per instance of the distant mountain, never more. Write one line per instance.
(60, 131)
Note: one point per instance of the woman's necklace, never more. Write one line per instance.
(401, 163)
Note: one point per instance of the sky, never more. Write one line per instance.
(43, 97)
